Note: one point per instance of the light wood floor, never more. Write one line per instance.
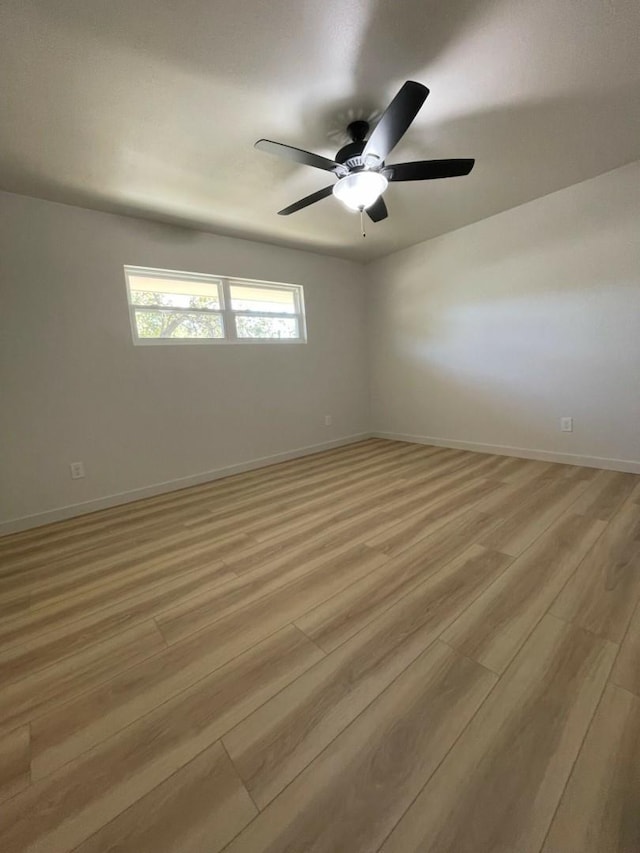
(383, 647)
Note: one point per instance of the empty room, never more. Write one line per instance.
(320, 426)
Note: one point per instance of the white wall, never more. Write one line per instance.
(489, 334)
(73, 386)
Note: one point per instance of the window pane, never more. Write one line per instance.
(246, 297)
(176, 305)
(175, 300)
(178, 324)
(267, 327)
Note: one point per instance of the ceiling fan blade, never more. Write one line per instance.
(378, 210)
(395, 121)
(306, 201)
(428, 170)
(296, 154)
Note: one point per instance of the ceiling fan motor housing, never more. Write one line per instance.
(349, 155)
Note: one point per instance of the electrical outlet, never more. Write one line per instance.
(328, 420)
(566, 424)
(77, 470)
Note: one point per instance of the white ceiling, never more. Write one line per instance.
(152, 107)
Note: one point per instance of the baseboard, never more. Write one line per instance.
(72, 510)
(629, 465)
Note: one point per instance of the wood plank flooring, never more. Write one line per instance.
(384, 647)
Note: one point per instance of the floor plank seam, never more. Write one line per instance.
(103, 612)
(162, 636)
(467, 657)
(622, 643)
(605, 529)
(322, 651)
(281, 588)
(352, 723)
(547, 611)
(83, 692)
(169, 698)
(575, 760)
(240, 779)
(411, 591)
(16, 647)
(444, 757)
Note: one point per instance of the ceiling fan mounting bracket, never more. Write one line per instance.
(358, 130)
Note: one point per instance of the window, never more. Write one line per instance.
(170, 307)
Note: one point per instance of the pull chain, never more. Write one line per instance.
(362, 221)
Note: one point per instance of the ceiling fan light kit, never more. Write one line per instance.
(360, 190)
(360, 167)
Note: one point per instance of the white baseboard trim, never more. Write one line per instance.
(72, 510)
(629, 465)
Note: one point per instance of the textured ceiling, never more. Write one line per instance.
(152, 107)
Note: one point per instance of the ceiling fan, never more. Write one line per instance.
(360, 165)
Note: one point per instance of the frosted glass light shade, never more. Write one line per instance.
(360, 190)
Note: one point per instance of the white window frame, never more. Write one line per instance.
(226, 312)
